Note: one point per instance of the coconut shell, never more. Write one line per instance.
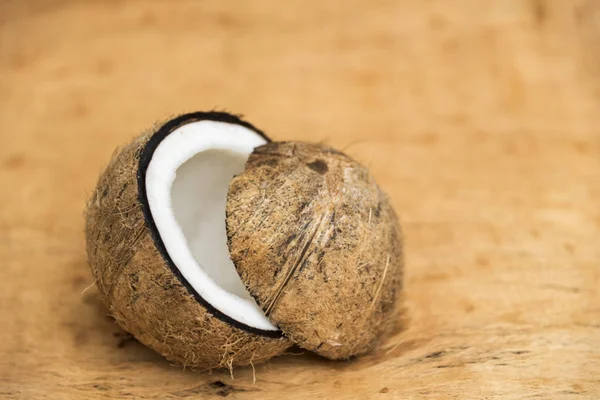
(142, 292)
(318, 245)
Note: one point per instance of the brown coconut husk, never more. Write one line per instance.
(141, 291)
(318, 245)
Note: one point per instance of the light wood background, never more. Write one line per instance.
(480, 118)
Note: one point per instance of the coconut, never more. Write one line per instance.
(318, 246)
(156, 243)
(216, 247)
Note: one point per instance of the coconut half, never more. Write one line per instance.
(184, 181)
(156, 241)
(318, 244)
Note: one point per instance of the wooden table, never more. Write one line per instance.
(480, 118)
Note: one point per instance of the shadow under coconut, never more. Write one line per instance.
(118, 346)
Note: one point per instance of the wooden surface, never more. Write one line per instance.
(480, 118)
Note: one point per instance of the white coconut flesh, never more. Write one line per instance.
(187, 181)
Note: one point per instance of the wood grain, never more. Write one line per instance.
(481, 119)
